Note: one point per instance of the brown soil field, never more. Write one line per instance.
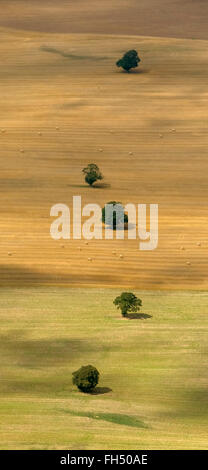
(165, 18)
(62, 100)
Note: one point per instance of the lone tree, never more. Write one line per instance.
(92, 173)
(127, 302)
(86, 378)
(119, 215)
(130, 60)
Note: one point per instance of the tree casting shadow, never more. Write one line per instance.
(100, 390)
(138, 316)
(101, 185)
(136, 71)
(94, 186)
(125, 227)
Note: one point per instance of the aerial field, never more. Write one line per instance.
(152, 392)
(64, 104)
(164, 18)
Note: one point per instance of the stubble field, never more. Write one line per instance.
(163, 18)
(64, 104)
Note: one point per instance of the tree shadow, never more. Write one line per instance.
(127, 226)
(136, 71)
(101, 391)
(101, 185)
(67, 55)
(141, 71)
(138, 316)
(76, 186)
(94, 186)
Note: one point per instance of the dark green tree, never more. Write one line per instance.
(119, 215)
(130, 60)
(86, 378)
(92, 173)
(128, 302)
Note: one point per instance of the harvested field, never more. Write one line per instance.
(62, 100)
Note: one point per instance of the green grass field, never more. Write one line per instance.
(153, 386)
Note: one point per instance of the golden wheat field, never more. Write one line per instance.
(65, 104)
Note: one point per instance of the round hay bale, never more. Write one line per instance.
(121, 256)
(198, 244)
(89, 259)
(182, 248)
(188, 263)
(9, 253)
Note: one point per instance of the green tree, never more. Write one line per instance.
(86, 378)
(119, 215)
(92, 173)
(128, 302)
(130, 60)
